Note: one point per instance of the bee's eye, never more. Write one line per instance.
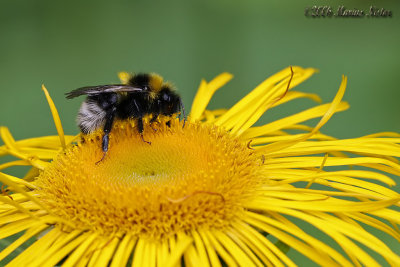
(165, 97)
(146, 87)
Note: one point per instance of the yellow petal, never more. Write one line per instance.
(205, 92)
(56, 117)
(258, 99)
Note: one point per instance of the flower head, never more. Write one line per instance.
(215, 191)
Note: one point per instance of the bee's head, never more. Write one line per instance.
(170, 101)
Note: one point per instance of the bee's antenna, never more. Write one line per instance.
(183, 111)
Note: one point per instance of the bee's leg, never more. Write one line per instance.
(140, 120)
(110, 115)
(155, 117)
(140, 128)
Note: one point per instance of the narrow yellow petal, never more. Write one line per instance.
(368, 220)
(301, 196)
(328, 205)
(382, 134)
(138, 256)
(79, 251)
(387, 214)
(333, 107)
(19, 226)
(212, 114)
(31, 174)
(255, 109)
(56, 117)
(14, 163)
(63, 240)
(107, 252)
(191, 257)
(359, 145)
(7, 138)
(119, 256)
(329, 225)
(257, 247)
(243, 246)
(325, 193)
(209, 116)
(162, 253)
(289, 227)
(150, 258)
(212, 254)
(49, 142)
(305, 115)
(295, 95)
(307, 162)
(22, 239)
(363, 174)
(201, 250)
(205, 92)
(66, 250)
(40, 153)
(237, 253)
(13, 217)
(315, 255)
(183, 243)
(13, 149)
(372, 190)
(96, 251)
(84, 260)
(16, 188)
(274, 254)
(36, 249)
(220, 250)
(199, 104)
(275, 138)
(269, 90)
(16, 181)
(278, 95)
(360, 235)
(129, 250)
(261, 98)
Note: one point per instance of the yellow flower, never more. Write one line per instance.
(218, 191)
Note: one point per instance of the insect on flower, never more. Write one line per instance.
(145, 94)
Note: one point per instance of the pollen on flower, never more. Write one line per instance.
(189, 177)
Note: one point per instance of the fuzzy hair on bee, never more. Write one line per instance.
(144, 94)
(90, 117)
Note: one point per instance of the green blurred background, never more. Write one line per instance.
(70, 44)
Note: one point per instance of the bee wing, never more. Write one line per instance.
(95, 90)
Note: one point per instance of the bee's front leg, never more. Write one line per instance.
(141, 129)
(110, 115)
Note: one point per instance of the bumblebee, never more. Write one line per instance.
(144, 94)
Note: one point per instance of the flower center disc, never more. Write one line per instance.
(192, 176)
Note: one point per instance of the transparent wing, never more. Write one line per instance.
(95, 90)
